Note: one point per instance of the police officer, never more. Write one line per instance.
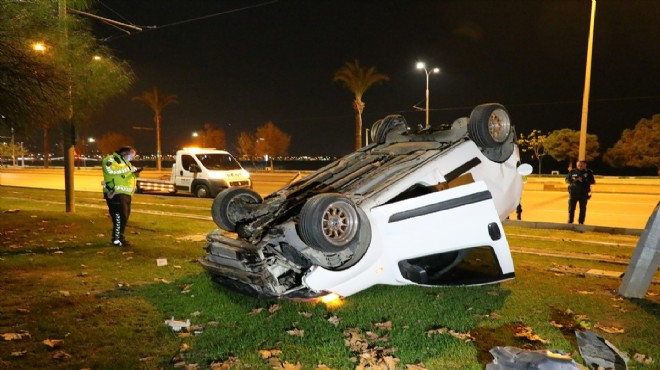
(579, 182)
(119, 177)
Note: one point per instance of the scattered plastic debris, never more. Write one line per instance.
(160, 262)
(177, 325)
(512, 358)
(599, 353)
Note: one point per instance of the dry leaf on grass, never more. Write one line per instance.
(387, 325)
(296, 332)
(642, 359)
(305, 314)
(268, 353)
(53, 343)
(274, 308)
(334, 320)
(526, 332)
(61, 356)
(15, 336)
(609, 329)
(224, 365)
(18, 354)
(419, 366)
(584, 292)
(289, 366)
(255, 311)
(186, 289)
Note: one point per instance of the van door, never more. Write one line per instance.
(187, 172)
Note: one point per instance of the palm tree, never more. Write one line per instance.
(358, 80)
(157, 102)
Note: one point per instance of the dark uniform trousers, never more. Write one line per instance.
(119, 207)
(574, 200)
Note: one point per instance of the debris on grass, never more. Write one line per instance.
(18, 354)
(334, 320)
(160, 262)
(296, 332)
(508, 358)
(599, 353)
(177, 325)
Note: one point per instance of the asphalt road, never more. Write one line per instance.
(620, 203)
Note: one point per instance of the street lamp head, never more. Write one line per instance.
(195, 134)
(39, 46)
(421, 65)
(436, 70)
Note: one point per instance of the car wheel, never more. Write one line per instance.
(329, 223)
(490, 128)
(202, 191)
(229, 204)
(489, 125)
(382, 127)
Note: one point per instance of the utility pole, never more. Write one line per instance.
(587, 83)
(68, 125)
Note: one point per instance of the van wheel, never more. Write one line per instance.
(382, 127)
(202, 191)
(490, 128)
(231, 204)
(329, 223)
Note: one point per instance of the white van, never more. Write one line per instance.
(201, 171)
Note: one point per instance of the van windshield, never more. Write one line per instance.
(221, 162)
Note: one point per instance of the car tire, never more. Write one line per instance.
(329, 223)
(202, 191)
(381, 128)
(490, 128)
(489, 125)
(227, 204)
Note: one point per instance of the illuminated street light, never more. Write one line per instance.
(39, 46)
(421, 65)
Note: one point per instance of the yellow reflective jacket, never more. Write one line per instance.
(118, 175)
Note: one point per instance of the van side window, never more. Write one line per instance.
(186, 161)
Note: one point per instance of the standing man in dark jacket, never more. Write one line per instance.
(579, 182)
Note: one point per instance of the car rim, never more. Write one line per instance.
(340, 223)
(499, 125)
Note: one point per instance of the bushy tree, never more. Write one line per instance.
(271, 140)
(564, 145)
(213, 137)
(245, 145)
(639, 147)
(55, 69)
(357, 80)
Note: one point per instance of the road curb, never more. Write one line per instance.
(574, 227)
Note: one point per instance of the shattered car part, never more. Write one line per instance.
(598, 353)
(512, 358)
(415, 207)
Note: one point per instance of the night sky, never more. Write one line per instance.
(274, 61)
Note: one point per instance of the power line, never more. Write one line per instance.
(178, 23)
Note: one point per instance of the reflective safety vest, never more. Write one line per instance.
(118, 175)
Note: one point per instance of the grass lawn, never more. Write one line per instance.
(72, 301)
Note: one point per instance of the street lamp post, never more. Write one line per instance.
(421, 65)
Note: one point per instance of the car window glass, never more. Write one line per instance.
(216, 161)
(186, 161)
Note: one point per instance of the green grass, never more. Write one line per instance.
(60, 279)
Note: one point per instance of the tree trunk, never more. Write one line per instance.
(358, 107)
(46, 148)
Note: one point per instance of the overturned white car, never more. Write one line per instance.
(415, 207)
